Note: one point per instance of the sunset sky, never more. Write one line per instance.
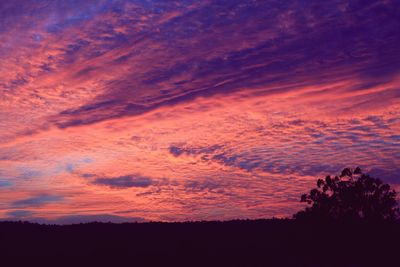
(137, 110)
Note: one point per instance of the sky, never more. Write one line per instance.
(150, 110)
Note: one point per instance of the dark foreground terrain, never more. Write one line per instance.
(234, 243)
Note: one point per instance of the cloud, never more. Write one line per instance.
(177, 150)
(5, 183)
(37, 200)
(97, 36)
(391, 176)
(124, 181)
(204, 185)
(19, 214)
(88, 175)
(378, 121)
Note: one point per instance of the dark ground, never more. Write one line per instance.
(234, 243)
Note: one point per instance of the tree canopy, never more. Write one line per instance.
(352, 195)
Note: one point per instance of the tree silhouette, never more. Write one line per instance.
(352, 195)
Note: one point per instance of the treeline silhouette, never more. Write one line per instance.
(233, 243)
(327, 233)
(352, 195)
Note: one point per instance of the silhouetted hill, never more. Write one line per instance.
(233, 243)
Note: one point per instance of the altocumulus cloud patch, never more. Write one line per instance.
(124, 181)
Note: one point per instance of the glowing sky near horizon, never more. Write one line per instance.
(191, 110)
